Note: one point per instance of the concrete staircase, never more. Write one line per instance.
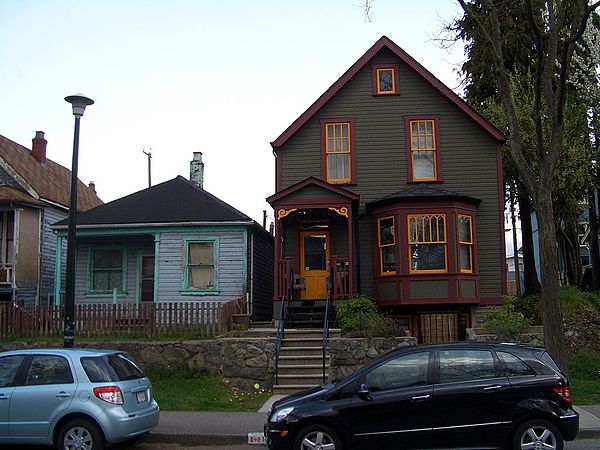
(301, 360)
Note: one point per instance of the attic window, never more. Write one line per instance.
(385, 80)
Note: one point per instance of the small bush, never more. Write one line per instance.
(506, 320)
(359, 317)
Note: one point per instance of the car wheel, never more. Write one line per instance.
(317, 437)
(537, 434)
(80, 434)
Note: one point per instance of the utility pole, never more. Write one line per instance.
(149, 155)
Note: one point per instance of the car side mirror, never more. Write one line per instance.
(364, 392)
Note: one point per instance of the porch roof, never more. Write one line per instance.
(419, 193)
(310, 182)
(12, 195)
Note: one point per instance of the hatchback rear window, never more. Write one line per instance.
(110, 368)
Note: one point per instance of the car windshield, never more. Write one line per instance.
(115, 367)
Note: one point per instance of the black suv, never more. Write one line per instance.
(467, 395)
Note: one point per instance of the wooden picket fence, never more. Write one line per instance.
(201, 319)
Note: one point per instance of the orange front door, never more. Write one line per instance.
(314, 263)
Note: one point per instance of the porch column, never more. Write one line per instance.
(350, 254)
(278, 234)
(57, 270)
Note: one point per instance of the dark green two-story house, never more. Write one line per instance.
(390, 185)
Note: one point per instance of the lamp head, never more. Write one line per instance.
(79, 102)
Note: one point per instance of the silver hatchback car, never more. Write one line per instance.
(73, 398)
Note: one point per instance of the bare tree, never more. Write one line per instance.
(557, 26)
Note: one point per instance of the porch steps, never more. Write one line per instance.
(301, 360)
(307, 316)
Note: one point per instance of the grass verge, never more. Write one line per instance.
(584, 375)
(190, 390)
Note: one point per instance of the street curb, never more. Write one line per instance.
(589, 433)
(197, 439)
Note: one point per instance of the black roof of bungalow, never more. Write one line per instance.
(421, 192)
(177, 201)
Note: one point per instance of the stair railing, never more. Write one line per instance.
(281, 325)
(326, 325)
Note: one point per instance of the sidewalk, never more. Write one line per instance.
(209, 428)
(225, 428)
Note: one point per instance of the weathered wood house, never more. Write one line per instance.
(34, 193)
(390, 185)
(172, 242)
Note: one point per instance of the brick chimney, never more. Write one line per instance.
(38, 147)
(197, 170)
(92, 187)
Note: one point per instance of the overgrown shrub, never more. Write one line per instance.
(359, 317)
(506, 320)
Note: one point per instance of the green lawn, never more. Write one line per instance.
(584, 374)
(189, 390)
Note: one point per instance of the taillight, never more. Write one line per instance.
(109, 394)
(564, 392)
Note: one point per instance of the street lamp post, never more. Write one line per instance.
(79, 102)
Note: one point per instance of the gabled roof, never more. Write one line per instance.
(177, 201)
(410, 62)
(422, 192)
(312, 181)
(43, 180)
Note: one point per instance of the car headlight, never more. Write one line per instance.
(280, 414)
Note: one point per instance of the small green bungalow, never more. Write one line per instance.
(173, 242)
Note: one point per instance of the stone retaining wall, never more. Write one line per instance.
(242, 362)
(531, 335)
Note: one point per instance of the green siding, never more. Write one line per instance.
(468, 158)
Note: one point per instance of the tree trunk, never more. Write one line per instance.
(551, 313)
(531, 284)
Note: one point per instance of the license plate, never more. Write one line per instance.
(141, 396)
(256, 438)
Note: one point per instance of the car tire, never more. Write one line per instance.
(317, 436)
(80, 434)
(540, 431)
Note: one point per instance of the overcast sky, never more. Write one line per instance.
(221, 77)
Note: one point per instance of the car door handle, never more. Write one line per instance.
(420, 398)
(492, 388)
(63, 395)
(4, 397)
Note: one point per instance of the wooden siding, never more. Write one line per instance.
(231, 269)
(262, 286)
(467, 153)
(48, 253)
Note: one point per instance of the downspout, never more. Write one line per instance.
(156, 254)
(16, 227)
(39, 298)
(251, 290)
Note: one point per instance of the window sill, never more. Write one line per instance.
(424, 181)
(105, 294)
(200, 293)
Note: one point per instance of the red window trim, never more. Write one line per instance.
(474, 260)
(438, 147)
(379, 247)
(324, 123)
(396, 69)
